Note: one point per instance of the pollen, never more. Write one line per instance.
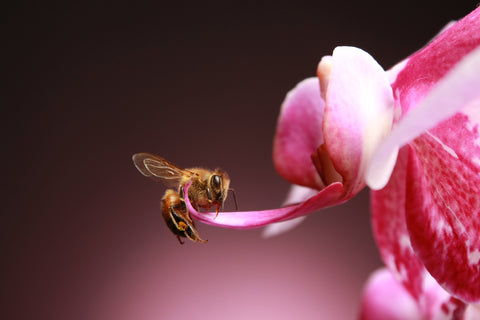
(182, 226)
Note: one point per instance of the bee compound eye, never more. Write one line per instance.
(216, 181)
(209, 194)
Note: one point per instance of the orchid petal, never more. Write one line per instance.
(438, 304)
(443, 207)
(358, 113)
(393, 72)
(436, 82)
(433, 62)
(390, 230)
(379, 293)
(296, 195)
(299, 134)
(278, 228)
(382, 288)
(392, 237)
(329, 196)
(472, 312)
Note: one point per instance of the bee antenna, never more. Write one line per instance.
(234, 198)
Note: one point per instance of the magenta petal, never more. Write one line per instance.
(456, 91)
(299, 134)
(329, 196)
(443, 202)
(426, 67)
(358, 113)
(423, 102)
(390, 229)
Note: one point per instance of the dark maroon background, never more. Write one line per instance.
(200, 84)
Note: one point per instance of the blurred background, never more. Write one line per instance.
(201, 84)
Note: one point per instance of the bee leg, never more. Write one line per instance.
(175, 214)
(181, 192)
(180, 240)
(201, 240)
(177, 217)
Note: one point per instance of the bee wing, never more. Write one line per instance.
(159, 169)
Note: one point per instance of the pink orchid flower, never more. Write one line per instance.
(412, 135)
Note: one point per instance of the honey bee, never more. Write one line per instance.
(208, 189)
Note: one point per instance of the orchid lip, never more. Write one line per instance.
(329, 196)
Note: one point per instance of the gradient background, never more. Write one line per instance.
(200, 84)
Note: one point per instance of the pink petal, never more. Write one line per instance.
(438, 304)
(430, 64)
(393, 72)
(392, 237)
(299, 134)
(390, 229)
(457, 90)
(296, 195)
(329, 196)
(358, 113)
(443, 202)
(278, 228)
(420, 75)
(472, 312)
(385, 298)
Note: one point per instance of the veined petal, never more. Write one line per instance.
(390, 229)
(443, 207)
(358, 113)
(329, 196)
(299, 134)
(416, 89)
(430, 64)
(393, 72)
(457, 90)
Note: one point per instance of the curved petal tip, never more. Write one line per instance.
(331, 195)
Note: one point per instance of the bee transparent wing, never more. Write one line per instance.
(159, 169)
